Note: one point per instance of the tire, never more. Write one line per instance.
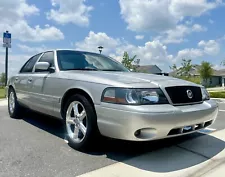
(14, 108)
(75, 123)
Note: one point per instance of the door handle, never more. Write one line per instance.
(16, 79)
(29, 80)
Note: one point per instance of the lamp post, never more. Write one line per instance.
(100, 49)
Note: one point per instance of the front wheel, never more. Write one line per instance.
(14, 108)
(80, 122)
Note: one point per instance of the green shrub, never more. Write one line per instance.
(196, 80)
(2, 92)
(217, 94)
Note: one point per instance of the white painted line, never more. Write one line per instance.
(211, 129)
(207, 130)
(221, 110)
(4, 103)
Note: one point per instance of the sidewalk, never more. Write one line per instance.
(202, 156)
(220, 100)
(216, 89)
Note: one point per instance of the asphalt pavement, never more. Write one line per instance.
(35, 146)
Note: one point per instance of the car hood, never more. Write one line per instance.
(125, 78)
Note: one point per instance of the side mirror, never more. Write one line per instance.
(51, 69)
(42, 66)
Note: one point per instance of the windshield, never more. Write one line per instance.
(74, 60)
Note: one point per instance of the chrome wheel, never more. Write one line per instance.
(12, 102)
(76, 121)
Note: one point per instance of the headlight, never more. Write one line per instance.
(205, 94)
(134, 96)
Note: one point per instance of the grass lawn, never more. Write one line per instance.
(2, 92)
(217, 94)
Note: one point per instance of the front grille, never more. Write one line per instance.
(178, 94)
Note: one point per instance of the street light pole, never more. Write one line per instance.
(100, 49)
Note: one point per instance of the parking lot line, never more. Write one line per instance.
(221, 110)
(207, 130)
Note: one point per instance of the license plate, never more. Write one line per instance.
(187, 128)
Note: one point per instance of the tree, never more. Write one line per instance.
(205, 71)
(127, 61)
(185, 68)
(2, 78)
(174, 69)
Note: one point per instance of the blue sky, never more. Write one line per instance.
(160, 32)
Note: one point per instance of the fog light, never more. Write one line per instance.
(137, 133)
(146, 133)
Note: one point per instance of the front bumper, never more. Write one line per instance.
(150, 122)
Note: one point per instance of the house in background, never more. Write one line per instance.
(217, 79)
(153, 69)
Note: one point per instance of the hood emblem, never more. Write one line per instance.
(189, 94)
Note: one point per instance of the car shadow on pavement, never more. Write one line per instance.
(46, 123)
(165, 155)
(185, 154)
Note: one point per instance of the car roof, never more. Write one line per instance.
(76, 51)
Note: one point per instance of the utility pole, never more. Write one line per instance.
(6, 44)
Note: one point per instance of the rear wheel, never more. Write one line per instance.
(80, 122)
(14, 109)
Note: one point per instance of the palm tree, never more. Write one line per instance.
(205, 71)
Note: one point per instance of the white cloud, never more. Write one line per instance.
(153, 52)
(147, 15)
(9, 12)
(22, 31)
(189, 54)
(211, 21)
(210, 47)
(189, 22)
(198, 28)
(70, 11)
(191, 7)
(2, 49)
(177, 35)
(218, 67)
(34, 50)
(93, 40)
(161, 15)
(15, 62)
(14, 20)
(139, 37)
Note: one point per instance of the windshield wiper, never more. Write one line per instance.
(110, 70)
(84, 69)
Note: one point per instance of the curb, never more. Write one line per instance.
(219, 99)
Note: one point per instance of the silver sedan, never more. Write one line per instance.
(96, 95)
